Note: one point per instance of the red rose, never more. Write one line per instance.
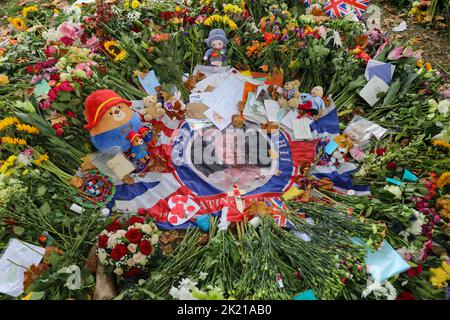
(133, 235)
(381, 151)
(145, 247)
(30, 68)
(141, 212)
(405, 296)
(55, 76)
(119, 251)
(71, 114)
(60, 132)
(103, 241)
(135, 219)
(113, 226)
(132, 272)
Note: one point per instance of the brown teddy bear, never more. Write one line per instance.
(153, 108)
(238, 120)
(175, 109)
(290, 95)
(190, 83)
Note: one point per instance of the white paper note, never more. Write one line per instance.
(272, 108)
(288, 118)
(372, 89)
(301, 128)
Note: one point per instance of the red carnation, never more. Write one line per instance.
(71, 114)
(415, 271)
(145, 247)
(133, 235)
(50, 51)
(141, 212)
(113, 226)
(135, 219)
(66, 41)
(66, 86)
(391, 166)
(119, 251)
(405, 296)
(59, 132)
(381, 151)
(55, 76)
(30, 68)
(103, 241)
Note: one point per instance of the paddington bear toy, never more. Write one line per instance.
(138, 147)
(110, 119)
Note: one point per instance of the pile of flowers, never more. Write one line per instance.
(127, 247)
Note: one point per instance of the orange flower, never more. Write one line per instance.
(264, 68)
(237, 39)
(254, 49)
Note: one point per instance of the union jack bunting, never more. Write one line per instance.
(358, 5)
(336, 8)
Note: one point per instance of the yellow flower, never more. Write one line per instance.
(8, 121)
(27, 128)
(231, 8)
(28, 296)
(113, 48)
(27, 10)
(25, 172)
(8, 163)
(11, 140)
(440, 275)
(126, 4)
(4, 79)
(419, 63)
(55, 11)
(177, 9)
(444, 179)
(428, 66)
(437, 142)
(135, 4)
(18, 23)
(42, 158)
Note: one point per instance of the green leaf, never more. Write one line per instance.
(18, 230)
(45, 208)
(37, 295)
(41, 190)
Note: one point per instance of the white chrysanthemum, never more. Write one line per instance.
(443, 107)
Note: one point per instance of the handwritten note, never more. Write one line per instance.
(371, 90)
(301, 128)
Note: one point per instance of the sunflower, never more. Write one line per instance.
(113, 48)
(18, 23)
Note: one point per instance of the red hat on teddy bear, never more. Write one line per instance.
(98, 102)
(132, 135)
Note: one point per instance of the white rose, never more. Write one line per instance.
(118, 271)
(132, 247)
(130, 262)
(112, 241)
(146, 228)
(140, 258)
(138, 225)
(154, 239)
(120, 233)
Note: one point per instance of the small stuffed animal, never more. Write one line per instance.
(190, 83)
(138, 148)
(290, 94)
(153, 108)
(217, 42)
(146, 134)
(344, 146)
(175, 108)
(270, 127)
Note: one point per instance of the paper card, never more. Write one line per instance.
(372, 89)
(330, 147)
(212, 80)
(197, 97)
(289, 118)
(16, 259)
(385, 262)
(149, 82)
(120, 166)
(218, 120)
(254, 112)
(383, 70)
(138, 105)
(209, 70)
(42, 88)
(272, 107)
(196, 110)
(182, 208)
(196, 124)
(301, 128)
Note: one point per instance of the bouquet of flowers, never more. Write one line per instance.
(128, 246)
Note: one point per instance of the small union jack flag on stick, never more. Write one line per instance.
(336, 8)
(359, 6)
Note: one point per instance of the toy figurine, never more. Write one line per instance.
(146, 134)
(289, 94)
(217, 42)
(138, 148)
(110, 119)
(313, 104)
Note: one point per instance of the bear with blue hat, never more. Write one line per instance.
(217, 42)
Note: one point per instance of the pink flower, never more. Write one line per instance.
(68, 30)
(396, 53)
(91, 42)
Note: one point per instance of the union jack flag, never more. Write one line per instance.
(358, 5)
(336, 8)
(278, 215)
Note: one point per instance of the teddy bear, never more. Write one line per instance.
(153, 108)
(338, 157)
(270, 127)
(110, 119)
(138, 148)
(190, 83)
(175, 109)
(289, 94)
